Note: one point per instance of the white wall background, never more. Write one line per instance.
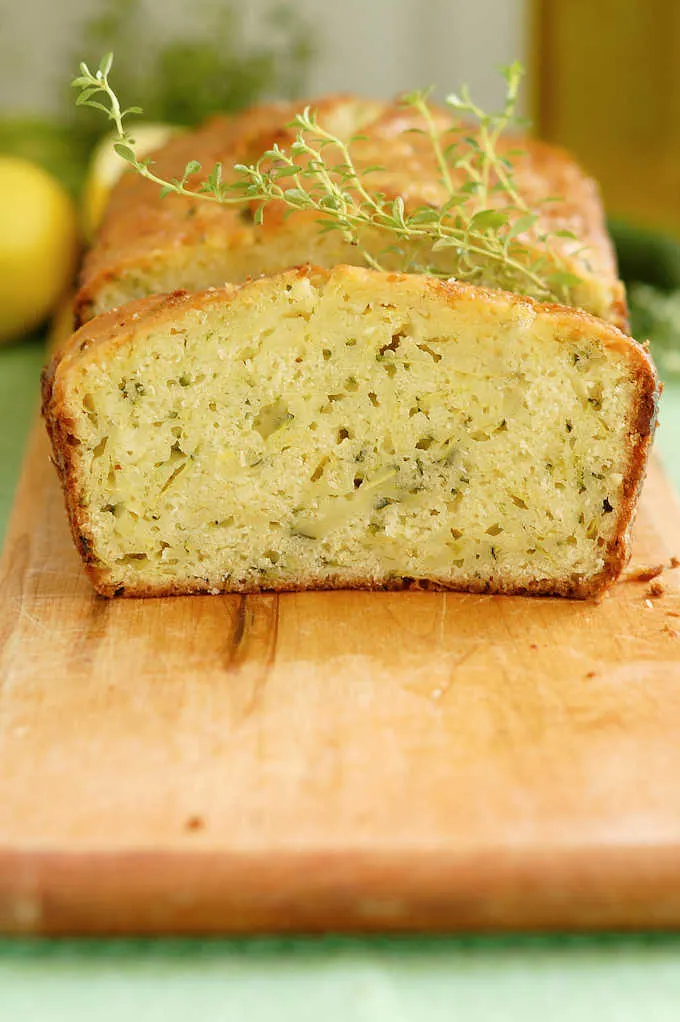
(376, 47)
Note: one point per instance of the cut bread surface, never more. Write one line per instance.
(350, 428)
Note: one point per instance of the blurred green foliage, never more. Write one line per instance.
(646, 255)
(655, 316)
(216, 66)
(649, 263)
(48, 143)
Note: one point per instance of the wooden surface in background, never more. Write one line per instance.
(341, 760)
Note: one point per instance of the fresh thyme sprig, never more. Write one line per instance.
(482, 219)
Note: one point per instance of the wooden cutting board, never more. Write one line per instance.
(365, 761)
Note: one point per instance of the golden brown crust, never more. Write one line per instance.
(115, 328)
(576, 589)
(142, 231)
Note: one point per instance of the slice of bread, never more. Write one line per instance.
(148, 244)
(350, 428)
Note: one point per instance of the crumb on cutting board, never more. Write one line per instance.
(643, 573)
(656, 590)
(194, 823)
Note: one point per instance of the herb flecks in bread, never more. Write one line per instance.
(414, 187)
(350, 428)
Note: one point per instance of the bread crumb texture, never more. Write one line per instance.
(350, 428)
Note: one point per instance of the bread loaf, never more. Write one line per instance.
(350, 428)
(149, 244)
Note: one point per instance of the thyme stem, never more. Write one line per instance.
(480, 219)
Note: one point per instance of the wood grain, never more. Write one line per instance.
(343, 760)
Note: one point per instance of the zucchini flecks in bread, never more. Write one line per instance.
(350, 428)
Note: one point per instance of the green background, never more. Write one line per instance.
(607, 978)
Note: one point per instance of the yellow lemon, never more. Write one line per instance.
(106, 167)
(38, 245)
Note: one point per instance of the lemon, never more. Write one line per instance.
(106, 167)
(38, 245)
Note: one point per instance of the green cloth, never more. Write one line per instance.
(609, 978)
(19, 371)
(338, 980)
